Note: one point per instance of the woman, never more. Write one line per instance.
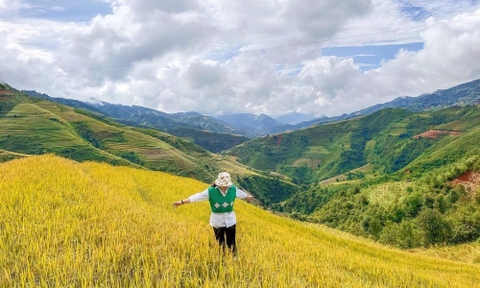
(221, 195)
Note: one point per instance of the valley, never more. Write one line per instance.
(403, 178)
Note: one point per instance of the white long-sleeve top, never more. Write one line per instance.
(219, 220)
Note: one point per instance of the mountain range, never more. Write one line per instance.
(391, 175)
(208, 132)
(463, 94)
(387, 141)
(32, 126)
(250, 125)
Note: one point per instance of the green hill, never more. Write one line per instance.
(385, 140)
(70, 224)
(389, 176)
(211, 141)
(33, 125)
(392, 176)
(464, 94)
(207, 132)
(442, 207)
(8, 155)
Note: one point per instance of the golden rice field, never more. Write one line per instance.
(469, 253)
(66, 224)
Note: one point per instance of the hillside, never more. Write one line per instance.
(213, 142)
(36, 126)
(57, 229)
(435, 200)
(8, 155)
(388, 140)
(460, 95)
(204, 131)
(389, 176)
(252, 125)
(394, 176)
(255, 125)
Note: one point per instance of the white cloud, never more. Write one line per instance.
(10, 8)
(160, 54)
(449, 58)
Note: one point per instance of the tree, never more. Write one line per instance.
(414, 204)
(389, 234)
(375, 228)
(409, 236)
(435, 228)
(441, 204)
(466, 225)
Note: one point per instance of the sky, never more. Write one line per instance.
(324, 57)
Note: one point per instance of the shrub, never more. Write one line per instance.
(434, 227)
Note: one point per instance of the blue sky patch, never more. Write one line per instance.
(66, 11)
(412, 12)
(369, 57)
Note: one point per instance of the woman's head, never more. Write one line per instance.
(223, 179)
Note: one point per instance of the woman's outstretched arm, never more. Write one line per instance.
(244, 195)
(181, 202)
(201, 196)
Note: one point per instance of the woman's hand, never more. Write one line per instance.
(178, 203)
(181, 202)
(250, 198)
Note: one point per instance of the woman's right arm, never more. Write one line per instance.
(181, 202)
(201, 196)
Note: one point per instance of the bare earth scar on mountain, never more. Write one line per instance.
(470, 179)
(433, 134)
(5, 92)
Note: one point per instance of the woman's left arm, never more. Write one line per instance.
(244, 195)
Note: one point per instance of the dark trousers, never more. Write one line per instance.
(227, 235)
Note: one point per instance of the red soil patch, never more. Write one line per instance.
(470, 180)
(6, 96)
(436, 133)
(6, 92)
(468, 177)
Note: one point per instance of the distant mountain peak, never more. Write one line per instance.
(94, 101)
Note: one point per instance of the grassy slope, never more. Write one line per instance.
(50, 127)
(7, 155)
(37, 126)
(447, 152)
(214, 137)
(57, 229)
(383, 139)
(469, 253)
(214, 142)
(317, 153)
(379, 204)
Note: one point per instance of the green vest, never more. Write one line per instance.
(220, 203)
